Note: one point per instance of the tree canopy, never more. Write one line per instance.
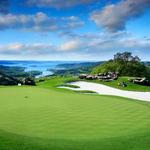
(125, 64)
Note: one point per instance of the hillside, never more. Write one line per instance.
(17, 71)
(125, 64)
(78, 65)
(15, 75)
(75, 68)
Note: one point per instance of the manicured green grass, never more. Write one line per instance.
(46, 118)
(130, 86)
(56, 81)
(69, 85)
(86, 92)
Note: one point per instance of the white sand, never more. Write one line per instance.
(106, 90)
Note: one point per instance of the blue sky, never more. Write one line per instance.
(74, 29)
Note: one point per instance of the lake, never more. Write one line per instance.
(42, 66)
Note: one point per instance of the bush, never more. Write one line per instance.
(29, 81)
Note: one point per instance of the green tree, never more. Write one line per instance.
(126, 64)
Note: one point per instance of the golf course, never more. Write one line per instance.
(75, 75)
(44, 117)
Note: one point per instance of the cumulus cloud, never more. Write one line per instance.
(4, 6)
(39, 48)
(38, 22)
(70, 45)
(58, 3)
(114, 17)
(99, 47)
(102, 42)
(20, 48)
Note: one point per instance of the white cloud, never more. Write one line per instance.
(39, 22)
(20, 48)
(91, 48)
(114, 17)
(70, 45)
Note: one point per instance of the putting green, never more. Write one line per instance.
(50, 114)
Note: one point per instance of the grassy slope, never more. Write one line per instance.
(43, 118)
(57, 81)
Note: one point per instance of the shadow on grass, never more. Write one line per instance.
(9, 141)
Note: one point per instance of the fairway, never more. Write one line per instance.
(83, 120)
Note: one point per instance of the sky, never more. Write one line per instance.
(70, 30)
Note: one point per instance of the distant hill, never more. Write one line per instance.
(78, 65)
(147, 63)
(75, 68)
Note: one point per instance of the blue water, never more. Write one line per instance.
(35, 65)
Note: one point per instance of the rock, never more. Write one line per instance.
(140, 81)
(89, 77)
(107, 76)
(83, 76)
(19, 84)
